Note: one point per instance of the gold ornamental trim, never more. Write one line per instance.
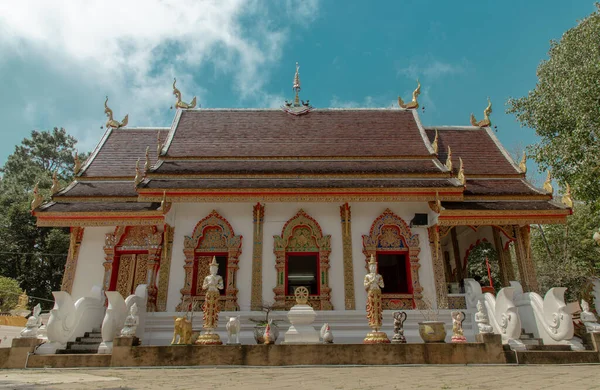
(507, 197)
(500, 220)
(346, 219)
(295, 158)
(91, 199)
(83, 179)
(76, 239)
(258, 217)
(165, 268)
(409, 175)
(98, 221)
(496, 176)
(468, 213)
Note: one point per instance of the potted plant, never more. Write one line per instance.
(261, 324)
(431, 330)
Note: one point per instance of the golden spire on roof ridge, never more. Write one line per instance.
(461, 172)
(449, 159)
(296, 86)
(548, 184)
(434, 144)
(138, 174)
(523, 163)
(180, 103)
(414, 103)
(147, 163)
(567, 198)
(38, 199)
(55, 184)
(436, 205)
(164, 205)
(111, 123)
(77, 165)
(485, 122)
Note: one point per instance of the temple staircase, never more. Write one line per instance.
(89, 343)
(532, 343)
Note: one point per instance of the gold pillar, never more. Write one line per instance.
(460, 273)
(524, 259)
(257, 250)
(439, 276)
(345, 214)
(165, 268)
(504, 260)
(71, 264)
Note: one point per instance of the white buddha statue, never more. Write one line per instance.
(588, 318)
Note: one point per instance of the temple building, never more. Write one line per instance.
(296, 196)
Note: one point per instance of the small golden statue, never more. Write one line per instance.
(180, 103)
(414, 104)
(485, 122)
(212, 284)
(373, 284)
(111, 123)
(182, 333)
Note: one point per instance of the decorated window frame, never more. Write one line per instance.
(390, 233)
(302, 234)
(144, 239)
(212, 236)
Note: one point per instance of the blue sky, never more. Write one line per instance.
(59, 59)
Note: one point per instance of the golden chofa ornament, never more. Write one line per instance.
(38, 199)
(485, 122)
(180, 103)
(111, 123)
(414, 104)
(548, 184)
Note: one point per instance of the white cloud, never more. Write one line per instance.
(367, 102)
(65, 55)
(431, 69)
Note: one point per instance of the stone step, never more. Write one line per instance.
(93, 334)
(532, 341)
(546, 347)
(81, 347)
(526, 336)
(77, 352)
(88, 340)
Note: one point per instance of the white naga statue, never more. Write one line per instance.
(373, 284)
(482, 320)
(212, 284)
(588, 318)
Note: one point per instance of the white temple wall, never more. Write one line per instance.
(90, 271)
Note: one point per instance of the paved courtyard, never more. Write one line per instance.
(389, 377)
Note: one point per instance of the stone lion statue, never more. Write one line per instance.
(182, 334)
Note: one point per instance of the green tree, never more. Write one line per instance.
(566, 255)
(564, 110)
(34, 256)
(477, 266)
(9, 293)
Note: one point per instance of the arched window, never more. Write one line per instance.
(396, 249)
(302, 259)
(212, 236)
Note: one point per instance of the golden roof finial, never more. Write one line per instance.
(77, 166)
(147, 163)
(158, 144)
(437, 204)
(523, 163)
(138, 174)
(548, 184)
(296, 86)
(449, 159)
(37, 197)
(414, 103)
(55, 184)
(485, 122)
(180, 103)
(111, 123)
(461, 172)
(434, 144)
(567, 198)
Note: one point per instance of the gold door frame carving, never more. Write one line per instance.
(256, 301)
(390, 233)
(135, 238)
(346, 219)
(165, 268)
(71, 265)
(225, 241)
(294, 239)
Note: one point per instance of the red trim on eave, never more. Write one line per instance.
(143, 193)
(91, 217)
(500, 216)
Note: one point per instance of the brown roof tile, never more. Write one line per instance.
(274, 133)
(119, 153)
(100, 206)
(297, 183)
(297, 167)
(479, 152)
(99, 188)
(500, 187)
(502, 205)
